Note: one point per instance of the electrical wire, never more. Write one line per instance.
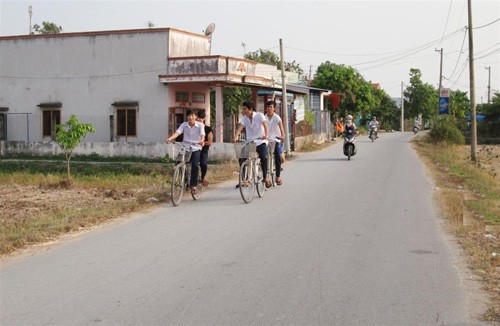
(486, 24)
(447, 19)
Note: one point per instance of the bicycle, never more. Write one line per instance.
(271, 166)
(181, 175)
(251, 174)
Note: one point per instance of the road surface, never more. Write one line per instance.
(339, 243)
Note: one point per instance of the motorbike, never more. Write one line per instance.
(415, 129)
(373, 133)
(349, 144)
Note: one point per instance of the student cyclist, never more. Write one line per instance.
(194, 133)
(256, 130)
(204, 151)
(276, 133)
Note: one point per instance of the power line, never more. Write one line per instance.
(486, 24)
(447, 18)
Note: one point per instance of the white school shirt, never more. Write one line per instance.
(192, 134)
(254, 129)
(274, 127)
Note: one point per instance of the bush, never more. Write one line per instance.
(444, 130)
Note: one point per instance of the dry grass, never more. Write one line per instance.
(38, 207)
(469, 197)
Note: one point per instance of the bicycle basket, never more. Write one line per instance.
(177, 153)
(271, 146)
(245, 150)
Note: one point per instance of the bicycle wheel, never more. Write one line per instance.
(271, 168)
(247, 187)
(199, 186)
(177, 184)
(259, 180)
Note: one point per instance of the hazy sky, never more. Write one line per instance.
(382, 39)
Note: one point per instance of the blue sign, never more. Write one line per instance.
(444, 103)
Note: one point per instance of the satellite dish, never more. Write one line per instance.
(210, 29)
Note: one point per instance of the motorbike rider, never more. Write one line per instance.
(416, 124)
(350, 126)
(374, 126)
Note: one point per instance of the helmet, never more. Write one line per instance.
(349, 117)
(374, 118)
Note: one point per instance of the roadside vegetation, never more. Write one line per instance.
(38, 206)
(469, 196)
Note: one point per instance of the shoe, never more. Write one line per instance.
(204, 182)
(268, 183)
(194, 191)
(278, 181)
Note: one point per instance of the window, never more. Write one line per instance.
(198, 97)
(126, 122)
(50, 118)
(181, 97)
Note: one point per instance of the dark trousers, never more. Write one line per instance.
(195, 162)
(204, 162)
(262, 152)
(277, 159)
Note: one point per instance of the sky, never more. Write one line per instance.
(383, 40)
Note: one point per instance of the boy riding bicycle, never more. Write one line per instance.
(256, 130)
(194, 134)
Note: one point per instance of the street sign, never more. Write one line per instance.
(444, 101)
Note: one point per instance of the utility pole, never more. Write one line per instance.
(440, 70)
(30, 11)
(473, 140)
(489, 83)
(284, 101)
(402, 109)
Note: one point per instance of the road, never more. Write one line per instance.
(339, 243)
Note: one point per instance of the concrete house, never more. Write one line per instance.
(134, 86)
(109, 79)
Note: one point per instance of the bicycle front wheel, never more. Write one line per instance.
(259, 180)
(177, 185)
(247, 187)
(271, 168)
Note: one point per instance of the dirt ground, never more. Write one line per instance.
(21, 202)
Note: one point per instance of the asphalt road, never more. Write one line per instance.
(339, 243)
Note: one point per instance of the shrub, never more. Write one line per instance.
(444, 130)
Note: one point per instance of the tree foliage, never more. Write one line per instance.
(68, 136)
(271, 58)
(459, 104)
(47, 28)
(491, 112)
(420, 97)
(355, 92)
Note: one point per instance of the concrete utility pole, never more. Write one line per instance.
(30, 11)
(440, 70)
(402, 109)
(473, 140)
(284, 101)
(489, 83)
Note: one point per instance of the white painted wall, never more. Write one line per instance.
(87, 72)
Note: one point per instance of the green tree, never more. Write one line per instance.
(355, 92)
(271, 58)
(420, 97)
(47, 28)
(385, 109)
(459, 104)
(491, 114)
(68, 136)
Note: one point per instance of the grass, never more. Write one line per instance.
(36, 207)
(469, 197)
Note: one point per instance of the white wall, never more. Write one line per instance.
(87, 72)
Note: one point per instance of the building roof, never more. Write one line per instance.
(96, 33)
